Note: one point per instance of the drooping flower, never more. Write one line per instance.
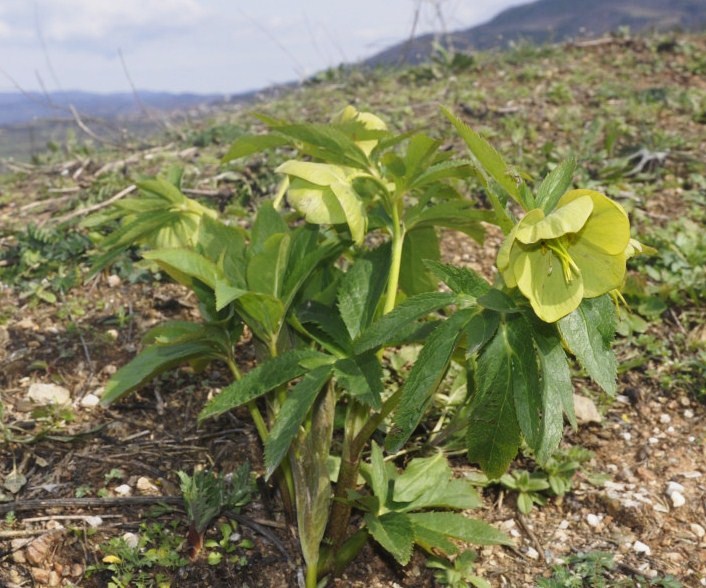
(576, 251)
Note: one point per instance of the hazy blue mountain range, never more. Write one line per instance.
(555, 21)
(17, 108)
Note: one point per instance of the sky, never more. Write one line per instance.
(207, 46)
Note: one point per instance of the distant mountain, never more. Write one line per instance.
(19, 108)
(556, 21)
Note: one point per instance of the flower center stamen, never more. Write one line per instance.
(569, 267)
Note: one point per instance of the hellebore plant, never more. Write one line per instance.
(344, 267)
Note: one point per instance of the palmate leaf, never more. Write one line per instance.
(425, 376)
(394, 532)
(393, 326)
(260, 380)
(152, 361)
(292, 414)
(327, 143)
(588, 332)
(443, 171)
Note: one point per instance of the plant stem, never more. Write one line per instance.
(398, 233)
(347, 475)
(255, 413)
(311, 576)
(501, 216)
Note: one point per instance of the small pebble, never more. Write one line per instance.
(112, 334)
(640, 547)
(691, 475)
(131, 540)
(93, 521)
(593, 520)
(627, 436)
(698, 530)
(146, 486)
(688, 414)
(653, 440)
(674, 487)
(123, 490)
(532, 553)
(677, 499)
(114, 281)
(665, 418)
(89, 401)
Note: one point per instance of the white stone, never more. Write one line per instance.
(131, 540)
(93, 521)
(112, 334)
(677, 499)
(146, 486)
(674, 487)
(45, 394)
(698, 530)
(89, 401)
(114, 281)
(640, 547)
(627, 436)
(586, 411)
(688, 414)
(593, 520)
(665, 418)
(123, 490)
(653, 440)
(532, 553)
(691, 475)
(564, 524)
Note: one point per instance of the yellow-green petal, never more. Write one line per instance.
(601, 272)
(540, 277)
(317, 204)
(608, 227)
(568, 218)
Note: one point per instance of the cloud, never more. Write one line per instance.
(5, 30)
(87, 20)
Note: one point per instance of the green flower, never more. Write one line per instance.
(577, 251)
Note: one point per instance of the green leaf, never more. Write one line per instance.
(361, 290)
(487, 156)
(327, 143)
(308, 459)
(555, 185)
(498, 301)
(327, 320)
(459, 527)
(442, 171)
(292, 414)
(266, 267)
(162, 188)
(493, 431)
(481, 329)
(525, 378)
(151, 361)
(184, 265)
(420, 477)
(433, 541)
(425, 376)
(455, 495)
(258, 381)
(361, 376)
(249, 144)
(268, 222)
(379, 474)
(224, 245)
(353, 209)
(226, 293)
(459, 215)
(460, 279)
(557, 390)
(394, 531)
(263, 313)
(588, 332)
(389, 328)
(419, 246)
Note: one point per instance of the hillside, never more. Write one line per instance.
(90, 496)
(556, 21)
